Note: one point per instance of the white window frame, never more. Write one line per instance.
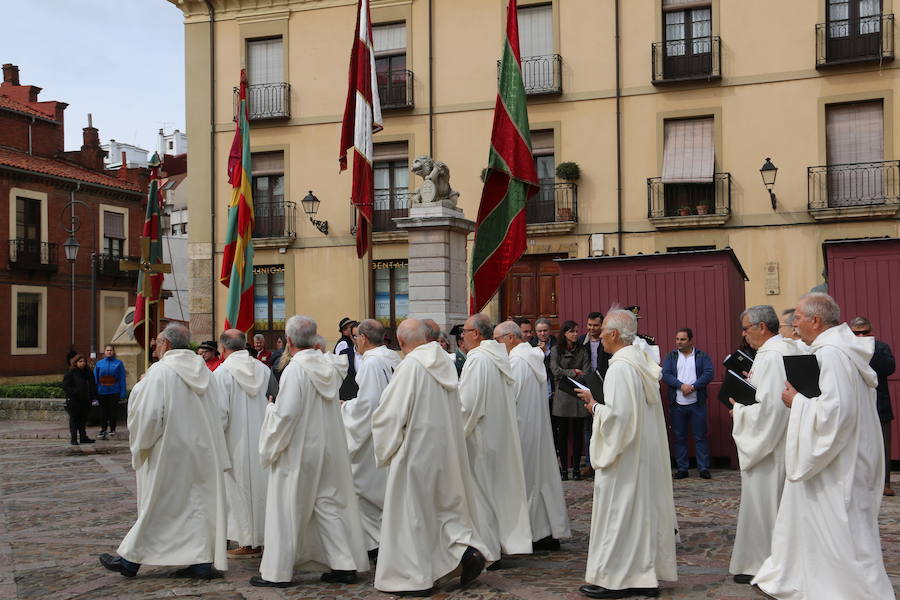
(113, 209)
(15, 290)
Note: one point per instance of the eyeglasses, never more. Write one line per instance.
(464, 330)
(862, 332)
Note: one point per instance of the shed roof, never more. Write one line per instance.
(727, 251)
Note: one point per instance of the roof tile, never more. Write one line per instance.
(59, 168)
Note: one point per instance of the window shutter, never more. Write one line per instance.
(389, 38)
(854, 133)
(542, 142)
(689, 155)
(391, 151)
(267, 163)
(536, 30)
(113, 225)
(265, 61)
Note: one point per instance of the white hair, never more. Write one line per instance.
(301, 330)
(818, 304)
(622, 321)
(177, 335)
(509, 327)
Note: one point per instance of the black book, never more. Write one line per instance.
(735, 386)
(803, 373)
(739, 362)
(592, 380)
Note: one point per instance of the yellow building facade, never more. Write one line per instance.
(704, 91)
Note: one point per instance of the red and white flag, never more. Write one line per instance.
(362, 119)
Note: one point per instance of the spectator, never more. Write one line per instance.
(210, 353)
(545, 342)
(568, 359)
(262, 353)
(81, 392)
(345, 346)
(527, 329)
(687, 371)
(277, 352)
(599, 360)
(110, 376)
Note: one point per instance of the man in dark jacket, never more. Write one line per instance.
(884, 365)
(687, 371)
(345, 346)
(545, 341)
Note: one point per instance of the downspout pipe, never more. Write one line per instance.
(30, 146)
(618, 138)
(430, 79)
(212, 154)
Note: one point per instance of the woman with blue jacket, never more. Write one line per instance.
(110, 374)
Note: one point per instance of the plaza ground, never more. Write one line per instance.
(61, 506)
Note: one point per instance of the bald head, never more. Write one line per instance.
(411, 334)
(232, 340)
(509, 334)
(434, 330)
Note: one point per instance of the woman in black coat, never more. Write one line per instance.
(568, 358)
(81, 391)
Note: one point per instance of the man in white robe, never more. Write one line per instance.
(428, 506)
(244, 385)
(758, 431)
(826, 542)
(632, 545)
(312, 517)
(492, 441)
(376, 368)
(547, 510)
(179, 457)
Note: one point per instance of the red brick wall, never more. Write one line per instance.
(46, 138)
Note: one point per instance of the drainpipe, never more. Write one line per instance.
(212, 153)
(30, 125)
(618, 138)
(430, 80)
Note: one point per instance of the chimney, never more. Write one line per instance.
(10, 74)
(91, 153)
(123, 170)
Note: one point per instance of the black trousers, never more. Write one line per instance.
(77, 421)
(565, 428)
(109, 409)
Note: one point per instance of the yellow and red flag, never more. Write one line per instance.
(154, 256)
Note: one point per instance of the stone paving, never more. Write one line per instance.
(61, 506)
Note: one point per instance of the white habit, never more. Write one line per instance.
(826, 542)
(375, 372)
(418, 436)
(546, 501)
(312, 517)
(758, 432)
(495, 452)
(242, 384)
(179, 456)
(633, 525)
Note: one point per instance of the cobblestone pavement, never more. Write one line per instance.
(61, 506)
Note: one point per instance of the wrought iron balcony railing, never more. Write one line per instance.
(266, 101)
(541, 74)
(33, 255)
(389, 205)
(554, 203)
(275, 219)
(108, 264)
(395, 89)
(687, 199)
(860, 184)
(687, 60)
(855, 40)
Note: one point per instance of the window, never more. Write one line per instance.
(28, 250)
(268, 95)
(113, 234)
(541, 208)
(268, 194)
(29, 315)
(268, 295)
(171, 145)
(389, 43)
(853, 30)
(540, 64)
(391, 293)
(688, 165)
(854, 142)
(687, 39)
(391, 185)
(184, 228)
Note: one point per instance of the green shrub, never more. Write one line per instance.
(568, 171)
(51, 389)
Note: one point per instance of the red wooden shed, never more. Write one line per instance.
(864, 278)
(702, 289)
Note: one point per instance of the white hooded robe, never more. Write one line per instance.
(547, 510)
(375, 371)
(417, 432)
(179, 457)
(633, 525)
(243, 384)
(826, 542)
(312, 517)
(495, 452)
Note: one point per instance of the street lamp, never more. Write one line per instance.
(768, 172)
(311, 207)
(71, 247)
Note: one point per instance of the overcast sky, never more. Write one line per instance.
(120, 60)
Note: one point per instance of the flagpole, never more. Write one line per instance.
(146, 341)
(371, 282)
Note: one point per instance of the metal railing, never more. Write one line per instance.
(686, 60)
(855, 40)
(395, 89)
(266, 101)
(859, 184)
(687, 199)
(389, 204)
(275, 219)
(108, 264)
(33, 255)
(541, 74)
(554, 203)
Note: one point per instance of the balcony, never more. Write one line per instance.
(854, 191)
(541, 74)
(553, 210)
(868, 39)
(679, 205)
(108, 265)
(389, 205)
(266, 101)
(698, 59)
(275, 223)
(33, 255)
(395, 89)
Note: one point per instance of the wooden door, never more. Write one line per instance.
(531, 289)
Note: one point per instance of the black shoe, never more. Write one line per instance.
(576, 474)
(564, 474)
(595, 591)
(258, 581)
(334, 576)
(472, 566)
(87, 440)
(547, 544)
(373, 554)
(704, 474)
(496, 566)
(74, 442)
(114, 563)
(195, 572)
(414, 593)
(680, 475)
(743, 578)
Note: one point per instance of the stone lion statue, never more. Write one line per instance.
(436, 184)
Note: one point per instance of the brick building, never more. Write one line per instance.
(38, 181)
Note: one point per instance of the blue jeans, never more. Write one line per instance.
(693, 415)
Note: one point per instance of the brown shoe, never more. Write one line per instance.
(888, 491)
(245, 552)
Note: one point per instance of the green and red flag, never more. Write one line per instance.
(237, 259)
(510, 178)
(154, 255)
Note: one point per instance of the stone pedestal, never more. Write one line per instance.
(437, 262)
